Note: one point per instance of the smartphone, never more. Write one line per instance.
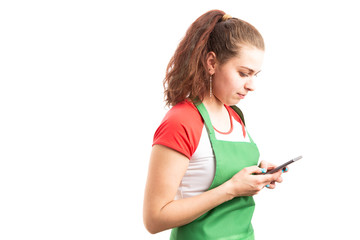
(284, 165)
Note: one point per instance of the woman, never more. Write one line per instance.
(203, 168)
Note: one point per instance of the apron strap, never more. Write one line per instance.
(251, 140)
(205, 115)
(241, 115)
(239, 112)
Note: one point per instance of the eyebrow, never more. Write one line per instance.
(251, 70)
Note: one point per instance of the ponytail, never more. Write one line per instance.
(186, 73)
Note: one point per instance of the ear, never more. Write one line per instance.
(211, 62)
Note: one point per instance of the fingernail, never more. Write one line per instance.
(286, 169)
(282, 170)
(267, 186)
(263, 170)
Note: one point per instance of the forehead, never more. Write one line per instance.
(249, 57)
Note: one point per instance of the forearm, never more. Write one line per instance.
(180, 212)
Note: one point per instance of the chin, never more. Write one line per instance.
(233, 102)
(229, 101)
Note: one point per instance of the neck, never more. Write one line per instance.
(218, 114)
(213, 104)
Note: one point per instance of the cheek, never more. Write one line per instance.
(227, 83)
(233, 83)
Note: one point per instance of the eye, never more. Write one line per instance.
(243, 74)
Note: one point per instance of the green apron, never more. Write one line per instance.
(232, 219)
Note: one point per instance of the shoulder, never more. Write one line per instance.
(184, 113)
(180, 129)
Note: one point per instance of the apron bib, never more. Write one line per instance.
(230, 220)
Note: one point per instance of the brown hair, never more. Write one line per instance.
(186, 73)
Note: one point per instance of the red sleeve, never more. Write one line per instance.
(180, 129)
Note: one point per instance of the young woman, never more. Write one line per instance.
(203, 168)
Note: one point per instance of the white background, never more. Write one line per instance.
(81, 97)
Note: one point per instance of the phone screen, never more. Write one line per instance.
(284, 165)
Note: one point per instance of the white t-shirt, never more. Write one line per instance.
(183, 130)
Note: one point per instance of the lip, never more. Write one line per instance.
(242, 96)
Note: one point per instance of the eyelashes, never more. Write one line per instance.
(245, 75)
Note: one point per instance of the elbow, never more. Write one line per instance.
(151, 225)
(151, 229)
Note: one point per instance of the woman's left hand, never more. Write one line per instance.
(268, 167)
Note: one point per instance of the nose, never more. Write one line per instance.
(249, 85)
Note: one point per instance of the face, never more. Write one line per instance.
(235, 78)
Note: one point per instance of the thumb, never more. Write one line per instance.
(255, 170)
(264, 164)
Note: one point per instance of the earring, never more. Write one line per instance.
(211, 86)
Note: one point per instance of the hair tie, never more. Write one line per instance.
(225, 17)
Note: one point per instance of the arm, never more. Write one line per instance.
(166, 169)
(161, 211)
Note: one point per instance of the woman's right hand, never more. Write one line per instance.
(250, 181)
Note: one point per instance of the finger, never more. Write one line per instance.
(254, 170)
(264, 165)
(286, 169)
(271, 177)
(271, 185)
(279, 180)
(271, 166)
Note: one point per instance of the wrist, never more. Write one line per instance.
(229, 190)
